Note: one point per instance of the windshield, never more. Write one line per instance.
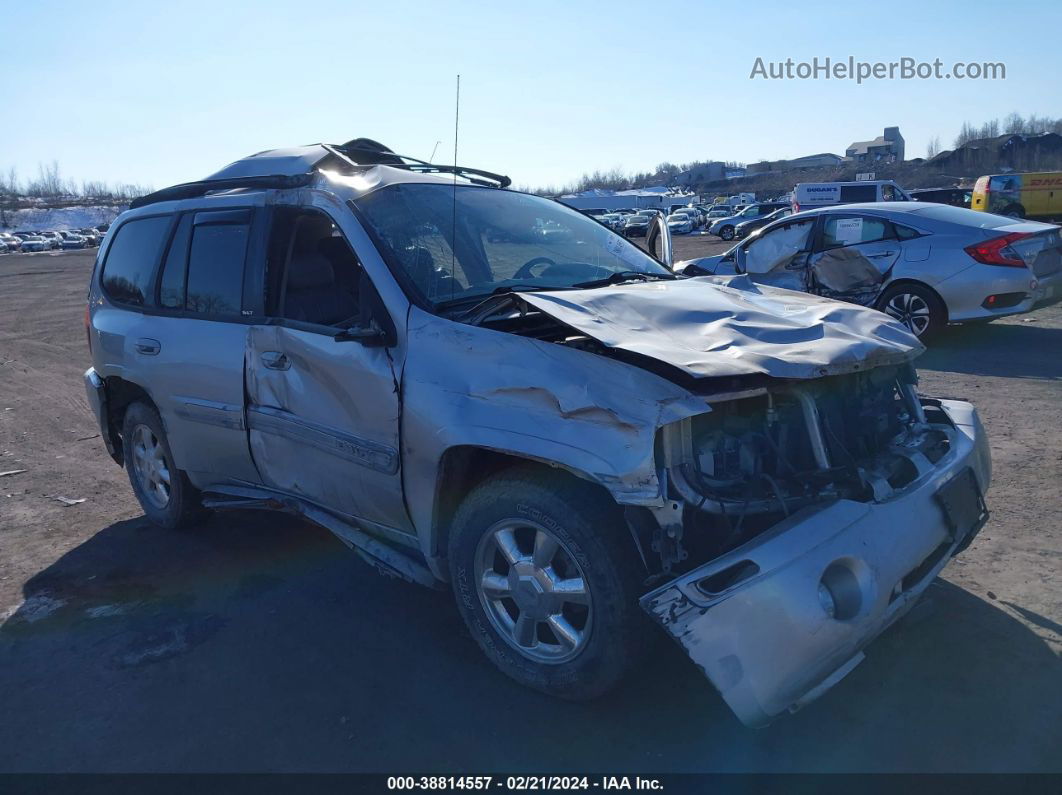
(504, 240)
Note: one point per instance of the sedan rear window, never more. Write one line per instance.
(960, 215)
(131, 258)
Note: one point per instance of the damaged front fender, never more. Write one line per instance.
(586, 413)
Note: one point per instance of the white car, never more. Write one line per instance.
(54, 239)
(679, 224)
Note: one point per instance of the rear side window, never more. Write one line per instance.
(851, 231)
(859, 193)
(175, 269)
(132, 257)
(960, 215)
(215, 262)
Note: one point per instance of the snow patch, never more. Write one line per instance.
(58, 218)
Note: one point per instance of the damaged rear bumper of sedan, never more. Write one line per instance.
(776, 622)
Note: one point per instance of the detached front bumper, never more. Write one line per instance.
(768, 643)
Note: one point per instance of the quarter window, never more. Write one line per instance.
(132, 258)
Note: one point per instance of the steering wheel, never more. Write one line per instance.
(524, 271)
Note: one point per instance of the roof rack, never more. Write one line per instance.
(366, 152)
(358, 152)
(191, 190)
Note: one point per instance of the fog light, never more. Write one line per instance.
(826, 600)
(839, 591)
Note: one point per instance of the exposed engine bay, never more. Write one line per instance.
(753, 461)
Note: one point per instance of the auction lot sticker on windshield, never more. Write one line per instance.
(848, 231)
(627, 252)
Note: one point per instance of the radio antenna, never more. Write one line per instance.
(433, 151)
(453, 237)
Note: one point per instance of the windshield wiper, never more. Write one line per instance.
(623, 276)
(491, 302)
(480, 298)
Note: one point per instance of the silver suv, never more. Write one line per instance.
(557, 426)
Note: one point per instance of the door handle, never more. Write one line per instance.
(148, 346)
(275, 360)
(881, 254)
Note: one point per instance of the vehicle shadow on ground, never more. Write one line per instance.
(1003, 350)
(258, 642)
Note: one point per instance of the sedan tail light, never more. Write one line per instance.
(997, 251)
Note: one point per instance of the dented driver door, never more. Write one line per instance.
(323, 417)
(853, 258)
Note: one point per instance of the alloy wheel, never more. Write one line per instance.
(533, 591)
(911, 310)
(151, 466)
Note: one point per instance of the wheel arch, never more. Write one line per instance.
(463, 467)
(880, 303)
(121, 394)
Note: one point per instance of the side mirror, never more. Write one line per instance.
(370, 335)
(376, 329)
(658, 231)
(737, 255)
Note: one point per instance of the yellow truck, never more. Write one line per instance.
(1036, 196)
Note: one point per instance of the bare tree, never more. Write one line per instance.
(1013, 124)
(933, 147)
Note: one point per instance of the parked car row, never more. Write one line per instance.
(28, 242)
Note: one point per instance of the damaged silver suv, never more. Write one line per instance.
(482, 389)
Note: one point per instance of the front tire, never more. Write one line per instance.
(917, 307)
(727, 233)
(547, 580)
(163, 491)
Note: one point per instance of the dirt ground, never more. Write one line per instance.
(256, 642)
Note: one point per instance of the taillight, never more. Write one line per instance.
(88, 328)
(997, 251)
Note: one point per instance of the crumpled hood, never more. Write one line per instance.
(713, 326)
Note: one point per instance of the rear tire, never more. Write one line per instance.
(915, 306)
(514, 538)
(163, 491)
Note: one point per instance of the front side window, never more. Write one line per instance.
(464, 243)
(312, 273)
(132, 257)
(777, 247)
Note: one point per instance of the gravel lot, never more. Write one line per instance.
(256, 642)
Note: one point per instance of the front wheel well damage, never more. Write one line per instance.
(464, 467)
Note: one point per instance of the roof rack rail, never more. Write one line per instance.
(366, 152)
(191, 190)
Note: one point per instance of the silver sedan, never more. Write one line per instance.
(924, 264)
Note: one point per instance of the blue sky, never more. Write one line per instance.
(160, 93)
